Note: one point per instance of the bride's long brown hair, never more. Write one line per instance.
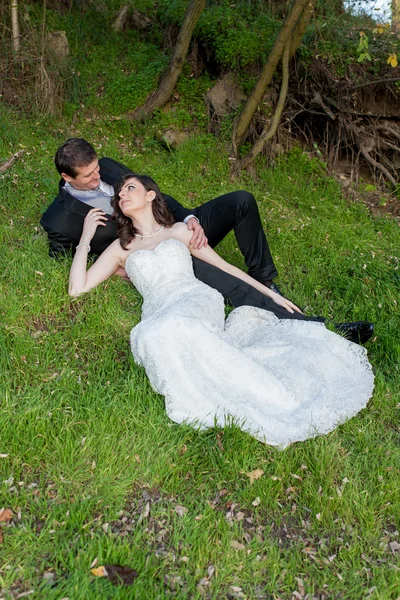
(126, 230)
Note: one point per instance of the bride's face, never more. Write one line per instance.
(134, 196)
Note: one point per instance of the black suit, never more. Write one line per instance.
(63, 222)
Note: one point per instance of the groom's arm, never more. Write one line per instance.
(179, 212)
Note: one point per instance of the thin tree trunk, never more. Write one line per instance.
(15, 27)
(169, 79)
(396, 16)
(301, 27)
(267, 134)
(243, 121)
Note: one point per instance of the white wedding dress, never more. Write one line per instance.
(281, 380)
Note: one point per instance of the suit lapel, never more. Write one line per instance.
(73, 204)
(103, 236)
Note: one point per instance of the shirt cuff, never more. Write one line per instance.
(186, 219)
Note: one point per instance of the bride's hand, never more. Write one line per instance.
(93, 219)
(285, 303)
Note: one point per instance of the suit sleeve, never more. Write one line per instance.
(177, 209)
(59, 243)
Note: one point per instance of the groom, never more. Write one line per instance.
(87, 182)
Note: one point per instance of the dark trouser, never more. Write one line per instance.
(239, 211)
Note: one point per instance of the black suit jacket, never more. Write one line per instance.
(63, 219)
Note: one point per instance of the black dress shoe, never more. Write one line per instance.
(358, 332)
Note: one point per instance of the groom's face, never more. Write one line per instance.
(87, 177)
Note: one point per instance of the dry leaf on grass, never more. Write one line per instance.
(117, 574)
(237, 545)
(99, 572)
(394, 546)
(105, 527)
(254, 475)
(180, 510)
(6, 514)
(257, 501)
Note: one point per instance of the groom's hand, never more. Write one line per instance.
(199, 239)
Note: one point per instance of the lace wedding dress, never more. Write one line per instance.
(280, 380)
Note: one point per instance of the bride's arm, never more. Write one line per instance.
(81, 280)
(208, 255)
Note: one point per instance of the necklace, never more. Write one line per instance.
(153, 234)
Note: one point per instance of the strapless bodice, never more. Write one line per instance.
(164, 277)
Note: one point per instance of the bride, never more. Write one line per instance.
(282, 380)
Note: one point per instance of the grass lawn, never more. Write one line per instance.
(91, 467)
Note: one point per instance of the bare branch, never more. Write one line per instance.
(11, 161)
(365, 84)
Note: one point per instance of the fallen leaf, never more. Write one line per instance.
(220, 444)
(318, 516)
(145, 512)
(6, 514)
(394, 546)
(237, 545)
(105, 527)
(94, 563)
(99, 572)
(256, 502)
(254, 475)
(3, 455)
(300, 583)
(180, 510)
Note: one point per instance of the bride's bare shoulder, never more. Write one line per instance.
(180, 232)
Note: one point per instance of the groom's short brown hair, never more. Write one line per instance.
(74, 153)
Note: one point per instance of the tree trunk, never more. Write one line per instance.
(169, 79)
(243, 121)
(300, 28)
(267, 134)
(396, 16)
(15, 27)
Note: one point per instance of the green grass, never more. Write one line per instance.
(89, 443)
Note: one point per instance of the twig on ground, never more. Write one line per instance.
(10, 162)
